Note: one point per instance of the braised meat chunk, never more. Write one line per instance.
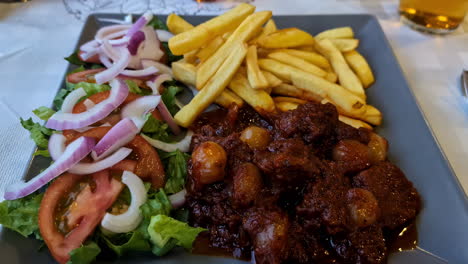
(398, 199)
(295, 187)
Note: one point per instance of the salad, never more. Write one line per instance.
(116, 181)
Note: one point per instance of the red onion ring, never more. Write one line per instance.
(89, 46)
(111, 32)
(61, 121)
(161, 67)
(56, 146)
(135, 42)
(116, 68)
(88, 168)
(137, 109)
(141, 22)
(183, 145)
(178, 199)
(166, 115)
(119, 135)
(164, 35)
(75, 152)
(140, 73)
(71, 100)
(157, 81)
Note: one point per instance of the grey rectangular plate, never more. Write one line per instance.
(442, 224)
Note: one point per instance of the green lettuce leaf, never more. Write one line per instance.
(75, 60)
(91, 88)
(175, 164)
(43, 112)
(134, 88)
(169, 96)
(157, 23)
(124, 243)
(156, 204)
(163, 228)
(40, 134)
(21, 215)
(85, 254)
(156, 129)
(42, 152)
(170, 56)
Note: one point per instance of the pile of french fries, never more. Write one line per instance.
(242, 57)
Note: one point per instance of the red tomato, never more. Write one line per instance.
(101, 96)
(87, 211)
(125, 165)
(93, 59)
(148, 167)
(83, 76)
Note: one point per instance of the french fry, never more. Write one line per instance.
(331, 77)
(354, 122)
(286, 106)
(269, 28)
(346, 76)
(341, 32)
(311, 97)
(177, 24)
(226, 98)
(309, 56)
(286, 38)
(345, 45)
(191, 57)
(186, 73)
(260, 100)
(298, 63)
(243, 33)
(198, 36)
(309, 48)
(289, 99)
(204, 53)
(288, 90)
(213, 88)
(279, 69)
(272, 79)
(263, 53)
(372, 115)
(360, 66)
(256, 78)
(325, 89)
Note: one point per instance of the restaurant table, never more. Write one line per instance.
(35, 36)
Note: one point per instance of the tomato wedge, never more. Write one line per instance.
(83, 76)
(101, 96)
(88, 210)
(148, 164)
(93, 59)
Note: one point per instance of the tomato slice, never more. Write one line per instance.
(125, 165)
(83, 76)
(93, 59)
(88, 210)
(101, 96)
(148, 164)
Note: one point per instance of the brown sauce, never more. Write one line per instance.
(406, 239)
(201, 246)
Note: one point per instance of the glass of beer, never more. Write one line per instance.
(434, 16)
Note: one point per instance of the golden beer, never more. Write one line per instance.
(436, 16)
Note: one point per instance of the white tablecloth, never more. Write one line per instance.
(35, 36)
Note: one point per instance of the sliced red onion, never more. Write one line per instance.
(140, 23)
(84, 129)
(120, 41)
(110, 51)
(141, 73)
(61, 121)
(89, 46)
(116, 68)
(88, 168)
(137, 109)
(135, 42)
(88, 104)
(105, 60)
(161, 67)
(178, 199)
(119, 135)
(86, 55)
(111, 32)
(157, 81)
(166, 115)
(151, 46)
(183, 145)
(75, 152)
(71, 100)
(164, 35)
(56, 146)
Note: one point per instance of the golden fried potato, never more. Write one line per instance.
(298, 63)
(372, 115)
(278, 99)
(191, 57)
(213, 88)
(177, 24)
(345, 45)
(286, 106)
(243, 33)
(312, 57)
(260, 100)
(204, 53)
(309, 48)
(198, 36)
(288, 90)
(286, 38)
(331, 77)
(354, 122)
(254, 75)
(263, 53)
(279, 69)
(346, 76)
(272, 79)
(360, 66)
(269, 28)
(226, 98)
(341, 32)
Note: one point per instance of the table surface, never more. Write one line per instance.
(36, 35)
